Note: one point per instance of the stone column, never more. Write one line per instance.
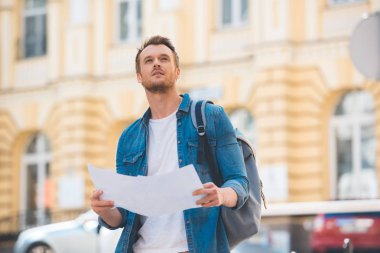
(8, 176)
(99, 38)
(55, 36)
(7, 46)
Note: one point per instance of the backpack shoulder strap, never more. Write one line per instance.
(198, 115)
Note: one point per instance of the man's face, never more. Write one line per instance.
(158, 72)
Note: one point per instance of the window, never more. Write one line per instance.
(234, 12)
(243, 120)
(34, 35)
(37, 192)
(129, 20)
(353, 143)
(341, 2)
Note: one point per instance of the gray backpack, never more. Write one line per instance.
(242, 223)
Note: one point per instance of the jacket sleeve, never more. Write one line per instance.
(229, 157)
(123, 213)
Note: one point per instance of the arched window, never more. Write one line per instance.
(35, 181)
(353, 146)
(243, 120)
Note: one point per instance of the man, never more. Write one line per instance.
(164, 140)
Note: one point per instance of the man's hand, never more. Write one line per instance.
(100, 206)
(105, 209)
(216, 196)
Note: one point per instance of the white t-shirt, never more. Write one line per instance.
(166, 233)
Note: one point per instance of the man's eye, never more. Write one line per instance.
(164, 59)
(148, 60)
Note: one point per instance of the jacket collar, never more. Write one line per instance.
(185, 104)
(184, 107)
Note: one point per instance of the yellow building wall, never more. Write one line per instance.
(288, 69)
(8, 131)
(288, 105)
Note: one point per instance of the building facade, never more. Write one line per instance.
(281, 69)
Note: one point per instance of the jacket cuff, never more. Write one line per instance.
(242, 194)
(123, 213)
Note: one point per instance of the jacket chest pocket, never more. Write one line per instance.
(202, 169)
(133, 163)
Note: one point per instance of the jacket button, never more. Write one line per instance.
(180, 160)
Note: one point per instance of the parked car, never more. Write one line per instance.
(330, 230)
(79, 235)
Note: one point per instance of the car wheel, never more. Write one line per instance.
(40, 248)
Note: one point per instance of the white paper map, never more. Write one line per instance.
(151, 195)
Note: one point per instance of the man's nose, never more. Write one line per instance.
(156, 62)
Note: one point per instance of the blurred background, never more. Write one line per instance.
(281, 68)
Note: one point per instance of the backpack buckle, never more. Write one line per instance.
(201, 130)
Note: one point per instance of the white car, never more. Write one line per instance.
(82, 234)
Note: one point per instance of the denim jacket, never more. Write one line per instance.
(204, 227)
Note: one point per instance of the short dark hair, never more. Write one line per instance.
(156, 40)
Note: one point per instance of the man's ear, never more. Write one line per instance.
(178, 73)
(139, 79)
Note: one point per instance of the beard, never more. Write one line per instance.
(158, 88)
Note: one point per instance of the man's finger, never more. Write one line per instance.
(210, 204)
(204, 200)
(96, 194)
(209, 185)
(102, 203)
(197, 192)
(202, 191)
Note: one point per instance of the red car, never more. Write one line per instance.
(330, 230)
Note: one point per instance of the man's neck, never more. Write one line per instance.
(163, 104)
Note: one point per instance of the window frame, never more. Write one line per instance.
(236, 18)
(251, 139)
(135, 36)
(355, 121)
(34, 12)
(41, 157)
(331, 3)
